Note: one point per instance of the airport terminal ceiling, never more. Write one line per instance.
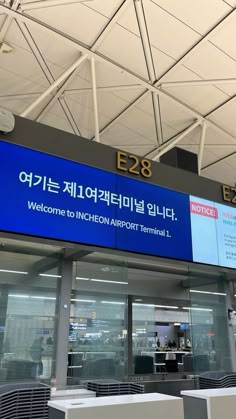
(138, 75)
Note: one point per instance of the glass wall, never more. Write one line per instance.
(126, 317)
(160, 336)
(210, 326)
(29, 277)
(97, 345)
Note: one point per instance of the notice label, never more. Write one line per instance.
(204, 210)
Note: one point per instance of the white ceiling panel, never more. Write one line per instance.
(129, 21)
(121, 135)
(162, 62)
(69, 19)
(106, 76)
(231, 160)
(211, 63)
(201, 98)
(182, 73)
(104, 7)
(83, 114)
(12, 84)
(208, 158)
(231, 2)
(53, 48)
(57, 121)
(199, 15)
(173, 116)
(22, 63)
(128, 95)
(176, 40)
(131, 56)
(141, 123)
(15, 36)
(2, 19)
(222, 172)
(146, 104)
(225, 117)
(111, 105)
(225, 38)
(168, 132)
(215, 137)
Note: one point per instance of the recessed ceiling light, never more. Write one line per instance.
(83, 301)
(113, 302)
(14, 272)
(207, 292)
(50, 275)
(197, 309)
(109, 282)
(161, 306)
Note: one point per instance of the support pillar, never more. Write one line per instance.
(63, 323)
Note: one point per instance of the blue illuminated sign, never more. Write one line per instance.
(47, 196)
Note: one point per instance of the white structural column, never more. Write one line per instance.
(95, 101)
(53, 86)
(171, 144)
(201, 147)
(150, 65)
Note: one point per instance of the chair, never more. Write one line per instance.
(75, 365)
(143, 364)
(172, 365)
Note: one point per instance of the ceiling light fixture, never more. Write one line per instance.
(81, 278)
(197, 309)
(160, 306)
(83, 301)
(50, 275)
(109, 282)
(38, 297)
(19, 296)
(207, 292)
(155, 305)
(14, 272)
(113, 302)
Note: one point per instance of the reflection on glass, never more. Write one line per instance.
(28, 296)
(98, 331)
(160, 337)
(209, 325)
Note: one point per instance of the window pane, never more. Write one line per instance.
(98, 329)
(28, 301)
(210, 326)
